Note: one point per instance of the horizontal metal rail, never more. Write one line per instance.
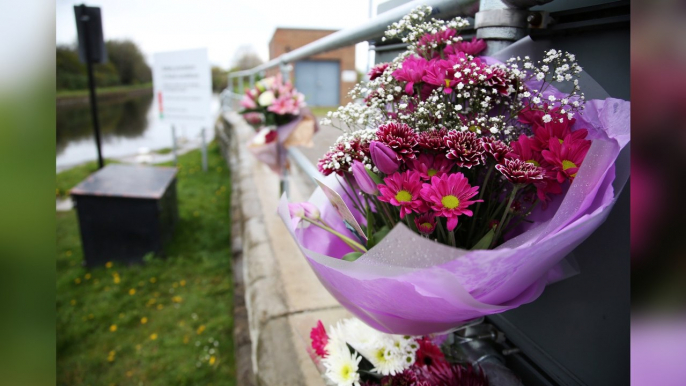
(370, 30)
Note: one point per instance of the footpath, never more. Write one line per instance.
(277, 298)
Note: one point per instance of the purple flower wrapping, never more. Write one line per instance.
(411, 285)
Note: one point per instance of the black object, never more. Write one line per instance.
(126, 212)
(91, 50)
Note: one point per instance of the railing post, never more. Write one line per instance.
(286, 74)
(241, 84)
(502, 22)
(252, 80)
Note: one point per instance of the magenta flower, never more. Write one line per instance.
(428, 165)
(412, 71)
(495, 148)
(520, 172)
(384, 157)
(430, 44)
(449, 196)
(401, 138)
(403, 190)
(465, 148)
(253, 118)
(558, 130)
(525, 148)
(441, 73)
(319, 339)
(473, 47)
(566, 156)
(364, 181)
(377, 70)
(426, 223)
(433, 140)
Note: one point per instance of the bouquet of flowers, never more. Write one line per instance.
(277, 112)
(351, 353)
(461, 183)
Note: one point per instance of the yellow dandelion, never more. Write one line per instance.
(177, 299)
(183, 283)
(200, 329)
(160, 306)
(151, 302)
(90, 316)
(73, 302)
(110, 356)
(182, 323)
(212, 360)
(87, 276)
(67, 253)
(77, 280)
(132, 291)
(113, 328)
(153, 336)
(138, 347)
(186, 339)
(153, 280)
(129, 374)
(144, 320)
(108, 265)
(116, 278)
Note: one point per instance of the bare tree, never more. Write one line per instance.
(245, 58)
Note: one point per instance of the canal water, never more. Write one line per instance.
(127, 124)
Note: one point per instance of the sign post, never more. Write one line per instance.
(91, 50)
(183, 90)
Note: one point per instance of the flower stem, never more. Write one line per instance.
(478, 204)
(352, 243)
(505, 212)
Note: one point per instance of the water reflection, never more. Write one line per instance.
(119, 117)
(127, 123)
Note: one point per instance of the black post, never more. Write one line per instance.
(91, 86)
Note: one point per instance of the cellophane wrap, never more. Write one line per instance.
(412, 285)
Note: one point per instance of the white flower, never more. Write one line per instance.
(266, 98)
(261, 137)
(547, 118)
(341, 367)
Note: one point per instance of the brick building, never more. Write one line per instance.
(325, 79)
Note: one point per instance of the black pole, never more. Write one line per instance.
(91, 87)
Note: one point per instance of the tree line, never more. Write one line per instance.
(125, 66)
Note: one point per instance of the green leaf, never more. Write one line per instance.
(375, 177)
(378, 236)
(352, 256)
(485, 241)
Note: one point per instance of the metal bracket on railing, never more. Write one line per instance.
(502, 22)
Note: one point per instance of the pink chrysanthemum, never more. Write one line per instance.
(426, 224)
(447, 374)
(430, 44)
(428, 165)
(403, 190)
(433, 140)
(465, 148)
(449, 196)
(412, 71)
(520, 172)
(473, 47)
(566, 156)
(525, 148)
(399, 137)
(377, 70)
(319, 339)
(495, 148)
(441, 73)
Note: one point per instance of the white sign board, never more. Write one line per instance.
(182, 83)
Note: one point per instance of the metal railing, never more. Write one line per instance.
(499, 18)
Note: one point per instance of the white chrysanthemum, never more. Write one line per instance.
(341, 367)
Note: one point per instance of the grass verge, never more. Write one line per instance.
(167, 322)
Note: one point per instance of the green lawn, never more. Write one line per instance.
(167, 322)
(101, 91)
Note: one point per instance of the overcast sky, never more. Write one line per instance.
(222, 26)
